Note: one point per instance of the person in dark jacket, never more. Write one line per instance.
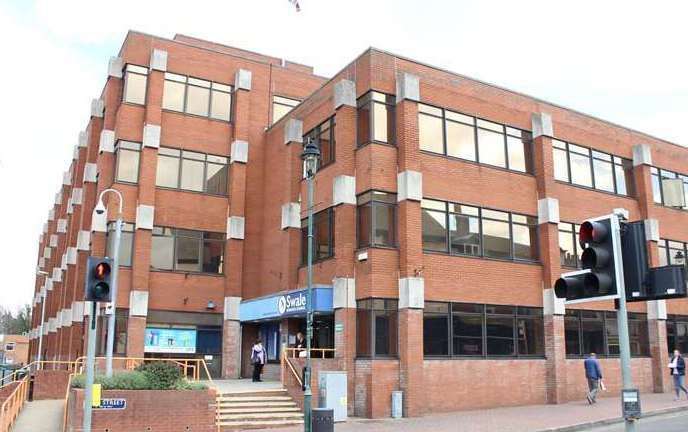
(593, 373)
(678, 372)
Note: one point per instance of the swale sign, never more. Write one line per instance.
(292, 303)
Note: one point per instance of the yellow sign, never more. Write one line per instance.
(95, 401)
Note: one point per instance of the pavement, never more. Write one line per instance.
(569, 417)
(242, 385)
(41, 416)
(677, 422)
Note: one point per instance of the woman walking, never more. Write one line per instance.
(258, 357)
(678, 372)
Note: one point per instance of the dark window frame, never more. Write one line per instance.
(506, 132)
(213, 86)
(129, 148)
(517, 313)
(579, 315)
(481, 218)
(202, 240)
(369, 199)
(206, 161)
(577, 250)
(315, 133)
(615, 161)
(391, 305)
(368, 101)
(667, 246)
(276, 102)
(330, 215)
(658, 174)
(135, 69)
(679, 342)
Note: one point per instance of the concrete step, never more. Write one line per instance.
(264, 424)
(222, 399)
(255, 410)
(265, 405)
(262, 416)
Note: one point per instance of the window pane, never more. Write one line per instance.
(127, 165)
(500, 335)
(188, 254)
(326, 144)
(491, 148)
(173, 96)
(363, 124)
(663, 260)
(572, 336)
(381, 122)
(221, 105)
(384, 233)
(468, 334)
(197, 100)
(496, 241)
(216, 179)
(363, 342)
(525, 242)
(125, 246)
(638, 335)
(213, 256)
(430, 133)
(279, 111)
(364, 225)
(561, 165)
(464, 234)
(322, 236)
(580, 170)
(135, 88)
(167, 174)
(517, 154)
(434, 230)
(656, 189)
(162, 252)
(620, 177)
(604, 177)
(567, 249)
(385, 332)
(460, 140)
(593, 337)
(435, 334)
(530, 336)
(612, 336)
(192, 175)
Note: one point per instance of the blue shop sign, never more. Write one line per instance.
(286, 304)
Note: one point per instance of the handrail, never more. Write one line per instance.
(295, 352)
(66, 405)
(291, 367)
(9, 411)
(34, 366)
(187, 365)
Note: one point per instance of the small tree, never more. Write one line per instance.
(162, 375)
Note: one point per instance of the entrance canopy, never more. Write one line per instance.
(286, 304)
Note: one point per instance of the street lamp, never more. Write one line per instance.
(310, 157)
(100, 209)
(44, 296)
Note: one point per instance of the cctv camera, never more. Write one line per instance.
(100, 208)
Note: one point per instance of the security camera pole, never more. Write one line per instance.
(43, 295)
(100, 209)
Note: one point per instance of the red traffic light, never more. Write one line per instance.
(101, 271)
(592, 232)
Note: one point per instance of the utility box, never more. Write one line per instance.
(322, 420)
(397, 404)
(332, 391)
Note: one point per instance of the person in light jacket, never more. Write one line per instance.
(678, 372)
(258, 358)
(593, 373)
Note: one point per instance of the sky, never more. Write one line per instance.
(623, 61)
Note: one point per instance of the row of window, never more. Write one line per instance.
(196, 96)
(176, 169)
(672, 252)
(583, 166)
(466, 137)
(467, 230)
(658, 190)
(677, 333)
(174, 249)
(323, 236)
(461, 329)
(597, 332)
(375, 119)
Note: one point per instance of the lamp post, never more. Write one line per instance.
(100, 209)
(44, 296)
(310, 156)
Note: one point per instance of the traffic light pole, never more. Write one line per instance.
(90, 370)
(112, 318)
(622, 318)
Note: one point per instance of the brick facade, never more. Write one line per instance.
(263, 257)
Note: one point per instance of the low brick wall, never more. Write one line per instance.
(154, 410)
(577, 388)
(50, 384)
(7, 390)
(294, 388)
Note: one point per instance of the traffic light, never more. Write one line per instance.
(597, 280)
(98, 274)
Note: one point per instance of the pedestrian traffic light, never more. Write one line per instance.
(598, 238)
(98, 274)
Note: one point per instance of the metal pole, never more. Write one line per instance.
(112, 318)
(90, 370)
(40, 336)
(622, 319)
(307, 394)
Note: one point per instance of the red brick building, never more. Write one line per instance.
(445, 209)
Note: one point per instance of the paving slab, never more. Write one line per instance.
(41, 416)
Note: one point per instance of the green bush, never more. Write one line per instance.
(161, 375)
(130, 380)
(184, 384)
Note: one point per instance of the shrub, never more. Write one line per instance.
(161, 375)
(184, 384)
(129, 380)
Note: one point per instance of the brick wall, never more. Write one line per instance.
(317, 365)
(577, 385)
(154, 410)
(50, 384)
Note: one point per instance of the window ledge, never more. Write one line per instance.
(670, 208)
(165, 110)
(187, 273)
(382, 143)
(631, 197)
(492, 357)
(515, 261)
(320, 261)
(476, 163)
(190, 191)
(366, 248)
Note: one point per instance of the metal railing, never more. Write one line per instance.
(191, 368)
(296, 353)
(32, 367)
(11, 407)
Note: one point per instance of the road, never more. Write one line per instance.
(667, 423)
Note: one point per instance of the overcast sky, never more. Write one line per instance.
(623, 61)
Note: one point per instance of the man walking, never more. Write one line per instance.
(593, 373)
(678, 372)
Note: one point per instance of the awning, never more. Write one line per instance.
(286, 304)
